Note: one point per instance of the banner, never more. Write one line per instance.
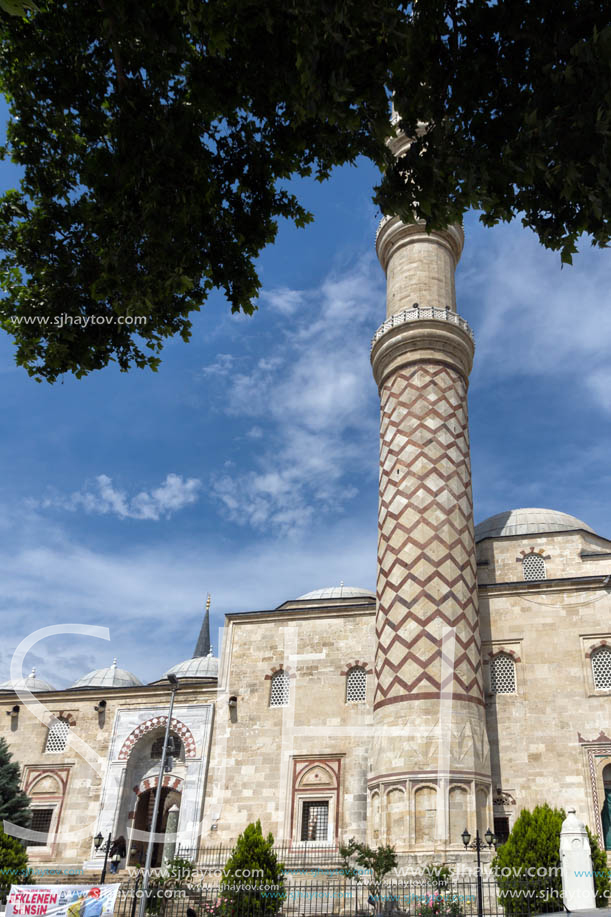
(61, 900)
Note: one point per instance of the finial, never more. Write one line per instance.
(341, 587)
(114, 663)
(208, 600)
(33, 672)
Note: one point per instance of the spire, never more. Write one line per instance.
(202, 647)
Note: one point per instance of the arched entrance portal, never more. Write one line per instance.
(143, 818)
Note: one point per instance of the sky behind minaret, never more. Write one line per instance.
(247, 466)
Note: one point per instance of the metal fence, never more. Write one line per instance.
(290, 855)
(520, 898)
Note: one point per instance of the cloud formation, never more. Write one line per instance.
(105, 499)
(316, 405)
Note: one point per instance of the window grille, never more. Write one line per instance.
(41, 821)
(57, 735)
(279, 690)
(502, 674)
(356, 685)
(601, 668)
(533, 566)
(315, 821)
(157, 747)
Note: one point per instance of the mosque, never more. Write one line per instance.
(473, 683)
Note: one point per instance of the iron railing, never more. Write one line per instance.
(414, 898)
(291, 855)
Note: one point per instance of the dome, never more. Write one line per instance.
(198, 667)
(337, 592)
(530, 521)
(109, 677)
(31, 682)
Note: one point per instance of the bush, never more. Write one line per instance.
(253, 878)
(439, 904)
(13, 864)
(535, 842)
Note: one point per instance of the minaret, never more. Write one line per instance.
(430, 743)
(202, 647)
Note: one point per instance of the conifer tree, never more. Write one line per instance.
(253, 874)
(13, 864)
(535, 842)
(14, 804)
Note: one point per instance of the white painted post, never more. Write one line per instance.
(576, 865)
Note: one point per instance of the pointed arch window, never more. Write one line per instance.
(57, 737)
(356, 685)
(502, 674)
(601, 669)
(279, 691)
(533, 566)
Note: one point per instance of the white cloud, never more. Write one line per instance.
(152, 596)
(105, 499)
(534, 317)
(222, 366)
(319, 406)
(284, 300)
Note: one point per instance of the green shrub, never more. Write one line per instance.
(253, 878)
(13, 864)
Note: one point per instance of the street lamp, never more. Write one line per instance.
(149, 853)
(97, 842)
(478, 845)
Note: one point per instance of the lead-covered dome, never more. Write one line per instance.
(108, 677)
(337, 592)
(529, 521)
(32, 682)
(198, 667)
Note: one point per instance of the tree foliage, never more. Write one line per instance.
(14, 868)
(377, 861)
(253, 879)
(14, 803)
(534, 842)
(156, 140)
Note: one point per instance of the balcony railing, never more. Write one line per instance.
(420, 313)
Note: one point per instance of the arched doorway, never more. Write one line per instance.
(143, 819)
(606, 810)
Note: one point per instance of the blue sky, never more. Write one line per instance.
(247, 466)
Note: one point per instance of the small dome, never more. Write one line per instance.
(530, 521)
(198, 667)
(337, 592)
(109, 677)
(31, 682)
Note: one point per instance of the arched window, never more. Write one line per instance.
(533, 566)
(57, 735)
(279, 689)
(601, 668)
(157, 747)
(502, 674)
(356, 685)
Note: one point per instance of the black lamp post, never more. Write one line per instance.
(98, 841)
(478, 845)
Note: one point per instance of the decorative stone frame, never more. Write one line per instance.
(328, 790)
(597, 754)
(490, 650)
(154, 722)
(354, 665)
(150, 783)
(280, 668)
(33, 775)
(589, 644)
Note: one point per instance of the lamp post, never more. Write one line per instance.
(97, 842)
(149, 853)
(478, 845)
